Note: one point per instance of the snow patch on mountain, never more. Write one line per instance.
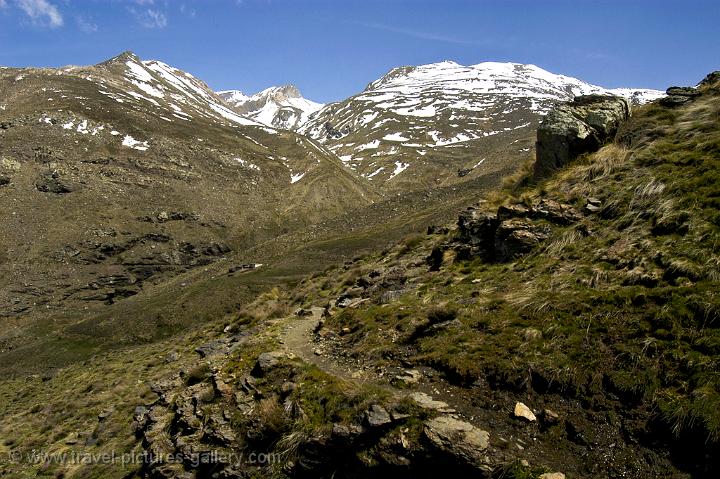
(131, 142)
(278, 107)
(168, 91)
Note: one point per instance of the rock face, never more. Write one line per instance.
(578, 127)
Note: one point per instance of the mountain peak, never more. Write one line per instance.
(122, 58)
(290, 91)
(278, 106)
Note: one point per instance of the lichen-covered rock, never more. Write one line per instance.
(711, 79)
(377, 416)
(578, 127)
(512, 231)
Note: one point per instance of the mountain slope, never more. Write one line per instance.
(435, 124)
(278, 107)
(119, 177)
(592, 350)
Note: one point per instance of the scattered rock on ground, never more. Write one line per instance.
(51, 183)
(377, 416)
(425, 401)
(524, 412)
(550, 417)
(552, 475)
(267, 361)
(408, 377)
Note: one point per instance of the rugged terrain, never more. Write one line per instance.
(124, 175)
(134, 195)
(566, 327)
(566, 324)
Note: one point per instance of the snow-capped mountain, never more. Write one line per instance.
(134, 171)
(278, 107)
(411, 116)
(162, 88)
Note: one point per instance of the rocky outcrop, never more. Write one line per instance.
(52, 183)
(515, 237)
(578, 127)
(512, 231)
(711, 79)
(677, 95)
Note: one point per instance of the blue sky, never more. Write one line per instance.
(332, 49)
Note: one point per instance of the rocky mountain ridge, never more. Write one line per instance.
(428, 125)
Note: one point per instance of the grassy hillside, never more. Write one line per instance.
(607, 329)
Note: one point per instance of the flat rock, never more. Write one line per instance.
(217, 347)
(267, 361)
(427, 402)
(407, 378)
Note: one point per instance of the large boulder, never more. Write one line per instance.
(578, 127)
(679, 95)
(460, 439)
